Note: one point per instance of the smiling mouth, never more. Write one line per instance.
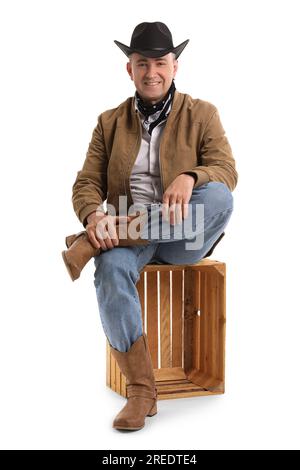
(152, 83)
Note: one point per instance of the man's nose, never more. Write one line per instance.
(151, 70)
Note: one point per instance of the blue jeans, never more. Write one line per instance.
(118, 269)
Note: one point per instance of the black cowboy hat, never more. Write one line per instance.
(152, 40)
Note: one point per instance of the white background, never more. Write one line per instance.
(59, 70)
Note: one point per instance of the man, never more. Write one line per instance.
(166, 152)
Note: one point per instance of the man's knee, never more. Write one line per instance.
(215, 196)
(113, 262)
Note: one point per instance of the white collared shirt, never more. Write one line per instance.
(145, 180)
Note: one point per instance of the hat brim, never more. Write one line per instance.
(153, 53)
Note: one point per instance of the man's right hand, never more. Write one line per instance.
(101, 229)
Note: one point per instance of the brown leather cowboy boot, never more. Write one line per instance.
(136, 365)
(80, 249)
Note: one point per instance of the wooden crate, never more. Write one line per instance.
(183, 309)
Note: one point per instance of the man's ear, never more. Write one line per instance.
(175, 68)
(129, 69)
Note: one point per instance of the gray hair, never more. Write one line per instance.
(173, 55)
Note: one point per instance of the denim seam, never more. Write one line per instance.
(210, 219)
(218, 213)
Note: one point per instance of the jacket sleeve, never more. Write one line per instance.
(217, 161)
(90, 188)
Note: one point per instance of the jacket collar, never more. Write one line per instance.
(177, 102)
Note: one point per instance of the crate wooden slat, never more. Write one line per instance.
(152, 316)
(165, 320)
(184, 316)
(177, 317)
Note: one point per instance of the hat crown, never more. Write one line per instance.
(154, 35)
(152, 40)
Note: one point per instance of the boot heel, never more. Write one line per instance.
(153, 410)
(73, 275)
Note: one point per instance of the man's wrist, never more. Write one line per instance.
(191, 174)
(94, 214)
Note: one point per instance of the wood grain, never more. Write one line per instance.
(199, 339)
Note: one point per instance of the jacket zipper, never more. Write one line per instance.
(137, 147)
(159, 154)
(160, 168)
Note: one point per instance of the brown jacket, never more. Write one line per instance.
(193, 140)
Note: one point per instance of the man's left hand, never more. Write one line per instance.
(176, 198)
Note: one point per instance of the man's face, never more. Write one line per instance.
(152, 76)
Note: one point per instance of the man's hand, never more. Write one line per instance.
(101, 229)
(176, 198)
